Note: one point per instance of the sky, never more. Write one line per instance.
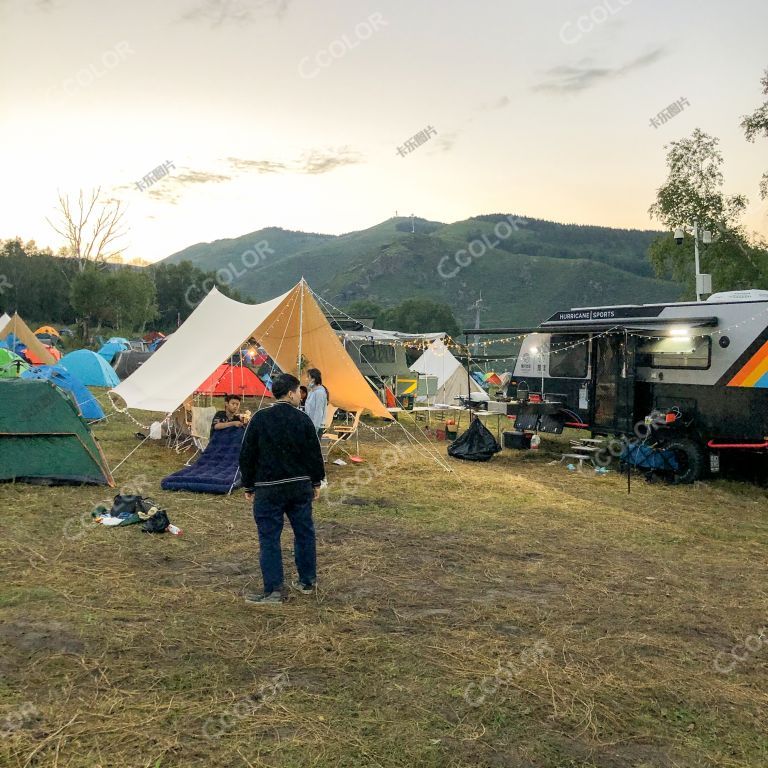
(211, 119)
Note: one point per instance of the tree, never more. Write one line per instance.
(693, 191)
(132, 299)
(87, 294)
(755, 125)
(420, 316)
(90, 227)
(364, 309)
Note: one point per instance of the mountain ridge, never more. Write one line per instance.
(525, 268)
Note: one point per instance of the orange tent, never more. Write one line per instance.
(48, 330)
(234, 380)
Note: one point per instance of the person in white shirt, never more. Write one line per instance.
(317, 400)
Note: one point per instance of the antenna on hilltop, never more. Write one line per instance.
(413, 225)
(478, 307)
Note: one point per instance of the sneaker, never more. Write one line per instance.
(300, 586)
(259, 598)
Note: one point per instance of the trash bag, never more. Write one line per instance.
(476, 444)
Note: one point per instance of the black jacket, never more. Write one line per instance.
(280, 445)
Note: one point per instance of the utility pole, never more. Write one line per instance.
(477, 306)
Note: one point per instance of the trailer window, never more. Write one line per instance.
(568, 357)
(377, 353)
(676, 352)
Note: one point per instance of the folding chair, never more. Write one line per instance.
(339, 433)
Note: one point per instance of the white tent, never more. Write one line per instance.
(4, 320)
(290, 327)
(453, 381)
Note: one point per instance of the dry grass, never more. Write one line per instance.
(127, 644)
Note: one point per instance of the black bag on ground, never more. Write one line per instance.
(476, 444)
(125, 505)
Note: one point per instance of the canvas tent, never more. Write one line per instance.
(43, 439)
(288, 327)
(452, 378)
(129, 361)
(20, 330)
(92, 369)
(234, 380)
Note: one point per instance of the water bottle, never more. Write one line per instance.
(535, 443)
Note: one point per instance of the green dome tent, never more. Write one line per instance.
(11, 365)
(43, 439)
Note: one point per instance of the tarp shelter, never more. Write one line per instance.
(216, 471)
(47, 330)
(92, 369)
(234, 380)
(61, 377)
(11, 365)
(287, 327)
(43, 439)
(452, 379)
(16, 326)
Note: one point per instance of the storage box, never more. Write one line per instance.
(520, 441)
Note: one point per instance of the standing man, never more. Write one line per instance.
(282, 467)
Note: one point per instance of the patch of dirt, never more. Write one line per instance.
(40, 636)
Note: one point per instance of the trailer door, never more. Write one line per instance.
(613, 382)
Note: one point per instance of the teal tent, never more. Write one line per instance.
(91, 369)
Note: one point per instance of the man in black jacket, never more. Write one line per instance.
(282, 467)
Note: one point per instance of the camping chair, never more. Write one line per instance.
(340, 433)
(200, 425)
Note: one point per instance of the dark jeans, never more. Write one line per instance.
(293, 500)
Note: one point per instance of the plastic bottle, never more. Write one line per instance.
(174, 529)
(535, 443)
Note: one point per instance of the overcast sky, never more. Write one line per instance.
(296, 113)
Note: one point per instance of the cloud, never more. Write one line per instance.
(259, 166)
(325, 161)
(219, 11)
(445, 141)
(581, 76)
(198, 177)
(314, 162)
(501, 103)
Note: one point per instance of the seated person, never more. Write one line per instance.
(230, 416)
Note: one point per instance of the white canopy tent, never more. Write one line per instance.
(453, 381)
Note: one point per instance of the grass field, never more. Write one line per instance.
(504, 614)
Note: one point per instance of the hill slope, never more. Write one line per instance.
(525, 272)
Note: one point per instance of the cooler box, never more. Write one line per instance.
(519, 441)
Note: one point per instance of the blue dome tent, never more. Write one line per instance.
(90, 409)
(92, 369)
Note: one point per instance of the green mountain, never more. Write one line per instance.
(526, 269)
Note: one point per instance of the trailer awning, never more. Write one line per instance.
(664, 326)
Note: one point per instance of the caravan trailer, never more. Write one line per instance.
(695, 373)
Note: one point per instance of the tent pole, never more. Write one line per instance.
(301, 326)
(469, 377)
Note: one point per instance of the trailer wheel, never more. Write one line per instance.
(691, 460)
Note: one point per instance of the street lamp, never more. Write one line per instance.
(703, 281)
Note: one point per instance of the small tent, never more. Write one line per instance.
(43, 439)
(15, 327)
(233, 380)
(129, 361)
(47, 330)
(92, 369)
(89, 406)
(112, 349)
(11, 365)
(452, 378)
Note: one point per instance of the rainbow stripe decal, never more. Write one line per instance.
(755, 372)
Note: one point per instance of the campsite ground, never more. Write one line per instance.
(506, 614)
